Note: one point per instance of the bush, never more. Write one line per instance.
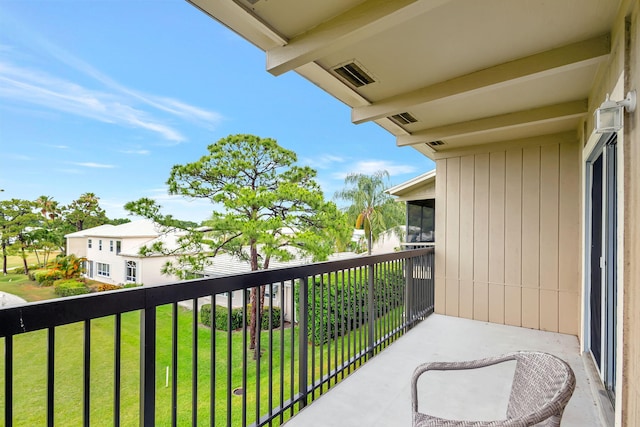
(46, 277)
(107, 287)
(275, 317)
(343, 306)
(222, 314)
(69, 287)
(132, 285)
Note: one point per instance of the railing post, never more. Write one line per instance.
(147, 366)
(303, 340)
(409, 294)
(371, 310)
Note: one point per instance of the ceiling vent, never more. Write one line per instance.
(403, 118)
(354, 74)
(435, 143)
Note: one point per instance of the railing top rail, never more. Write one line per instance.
(45, 314)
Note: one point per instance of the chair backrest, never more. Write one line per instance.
(542, 382)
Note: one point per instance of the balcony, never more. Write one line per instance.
(378, 394)
(138, 357)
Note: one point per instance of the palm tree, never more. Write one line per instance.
(371, 208)
(48, 207)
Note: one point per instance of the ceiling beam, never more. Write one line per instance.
(358, 23)
(240, 20)
(543, 64)
(517, 119)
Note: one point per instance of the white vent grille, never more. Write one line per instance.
(354, 74)
(435, 143)
(403, 118)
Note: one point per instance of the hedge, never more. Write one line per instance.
(107, 287)
(68, 287)
(344, 306)
(47, 277)
(222, 313)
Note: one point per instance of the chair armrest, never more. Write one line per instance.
(452, 366)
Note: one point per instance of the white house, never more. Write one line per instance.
(228, 265)
(113, 253)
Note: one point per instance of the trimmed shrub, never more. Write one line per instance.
(132, 285)
(275, 317)
(107, 287)
(47, 277)
(205, 315)
(69, 287)
(344, 306)
(222, 314)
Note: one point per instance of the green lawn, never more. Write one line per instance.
(30, 372)
(20, 285)
(14, 261)
(30, 368)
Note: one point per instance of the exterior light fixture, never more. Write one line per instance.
(609, 115)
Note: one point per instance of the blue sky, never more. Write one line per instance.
(106, 96)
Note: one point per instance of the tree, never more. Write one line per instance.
(85, 212)
(48, 207)
(69, 266)
(17, 219)
(371, 208)
(266, 208)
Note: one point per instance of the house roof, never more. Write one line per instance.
(226, 264)
(413, 184)
(441, 75)
(139, 228)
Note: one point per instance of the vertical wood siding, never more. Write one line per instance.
(507, 236)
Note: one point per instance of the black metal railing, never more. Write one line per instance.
(141, 356)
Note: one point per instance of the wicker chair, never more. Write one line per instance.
(542, 386)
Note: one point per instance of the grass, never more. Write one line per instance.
(30, 368)
(20, 285)
(29, 391)
(30, 363)
(14, 261)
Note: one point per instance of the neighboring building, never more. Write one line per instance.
(538, 211)
(227, 265)
(419, 194)
(113, 253)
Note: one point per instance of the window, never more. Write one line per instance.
(103, 269)
(110, 245)
(100, 244)
(130, 272)
(118, 247)
(89, 243)
(420, 220)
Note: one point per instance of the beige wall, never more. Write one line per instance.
(426, 191)
(620, 76)
(508, 234)
(630, 402)
(77, 246)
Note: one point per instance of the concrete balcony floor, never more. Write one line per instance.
(378, 394)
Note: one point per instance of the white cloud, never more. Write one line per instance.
(18, 157)
(324, 161)
(94, 165)
(114, 103)
(369, 167)
(70, 171)
(136, 151)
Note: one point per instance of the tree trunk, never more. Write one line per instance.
(24, 262)
(254, 321)
(4, 258)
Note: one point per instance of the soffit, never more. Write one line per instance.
(452, 64)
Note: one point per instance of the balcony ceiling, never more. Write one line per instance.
(470, 72)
